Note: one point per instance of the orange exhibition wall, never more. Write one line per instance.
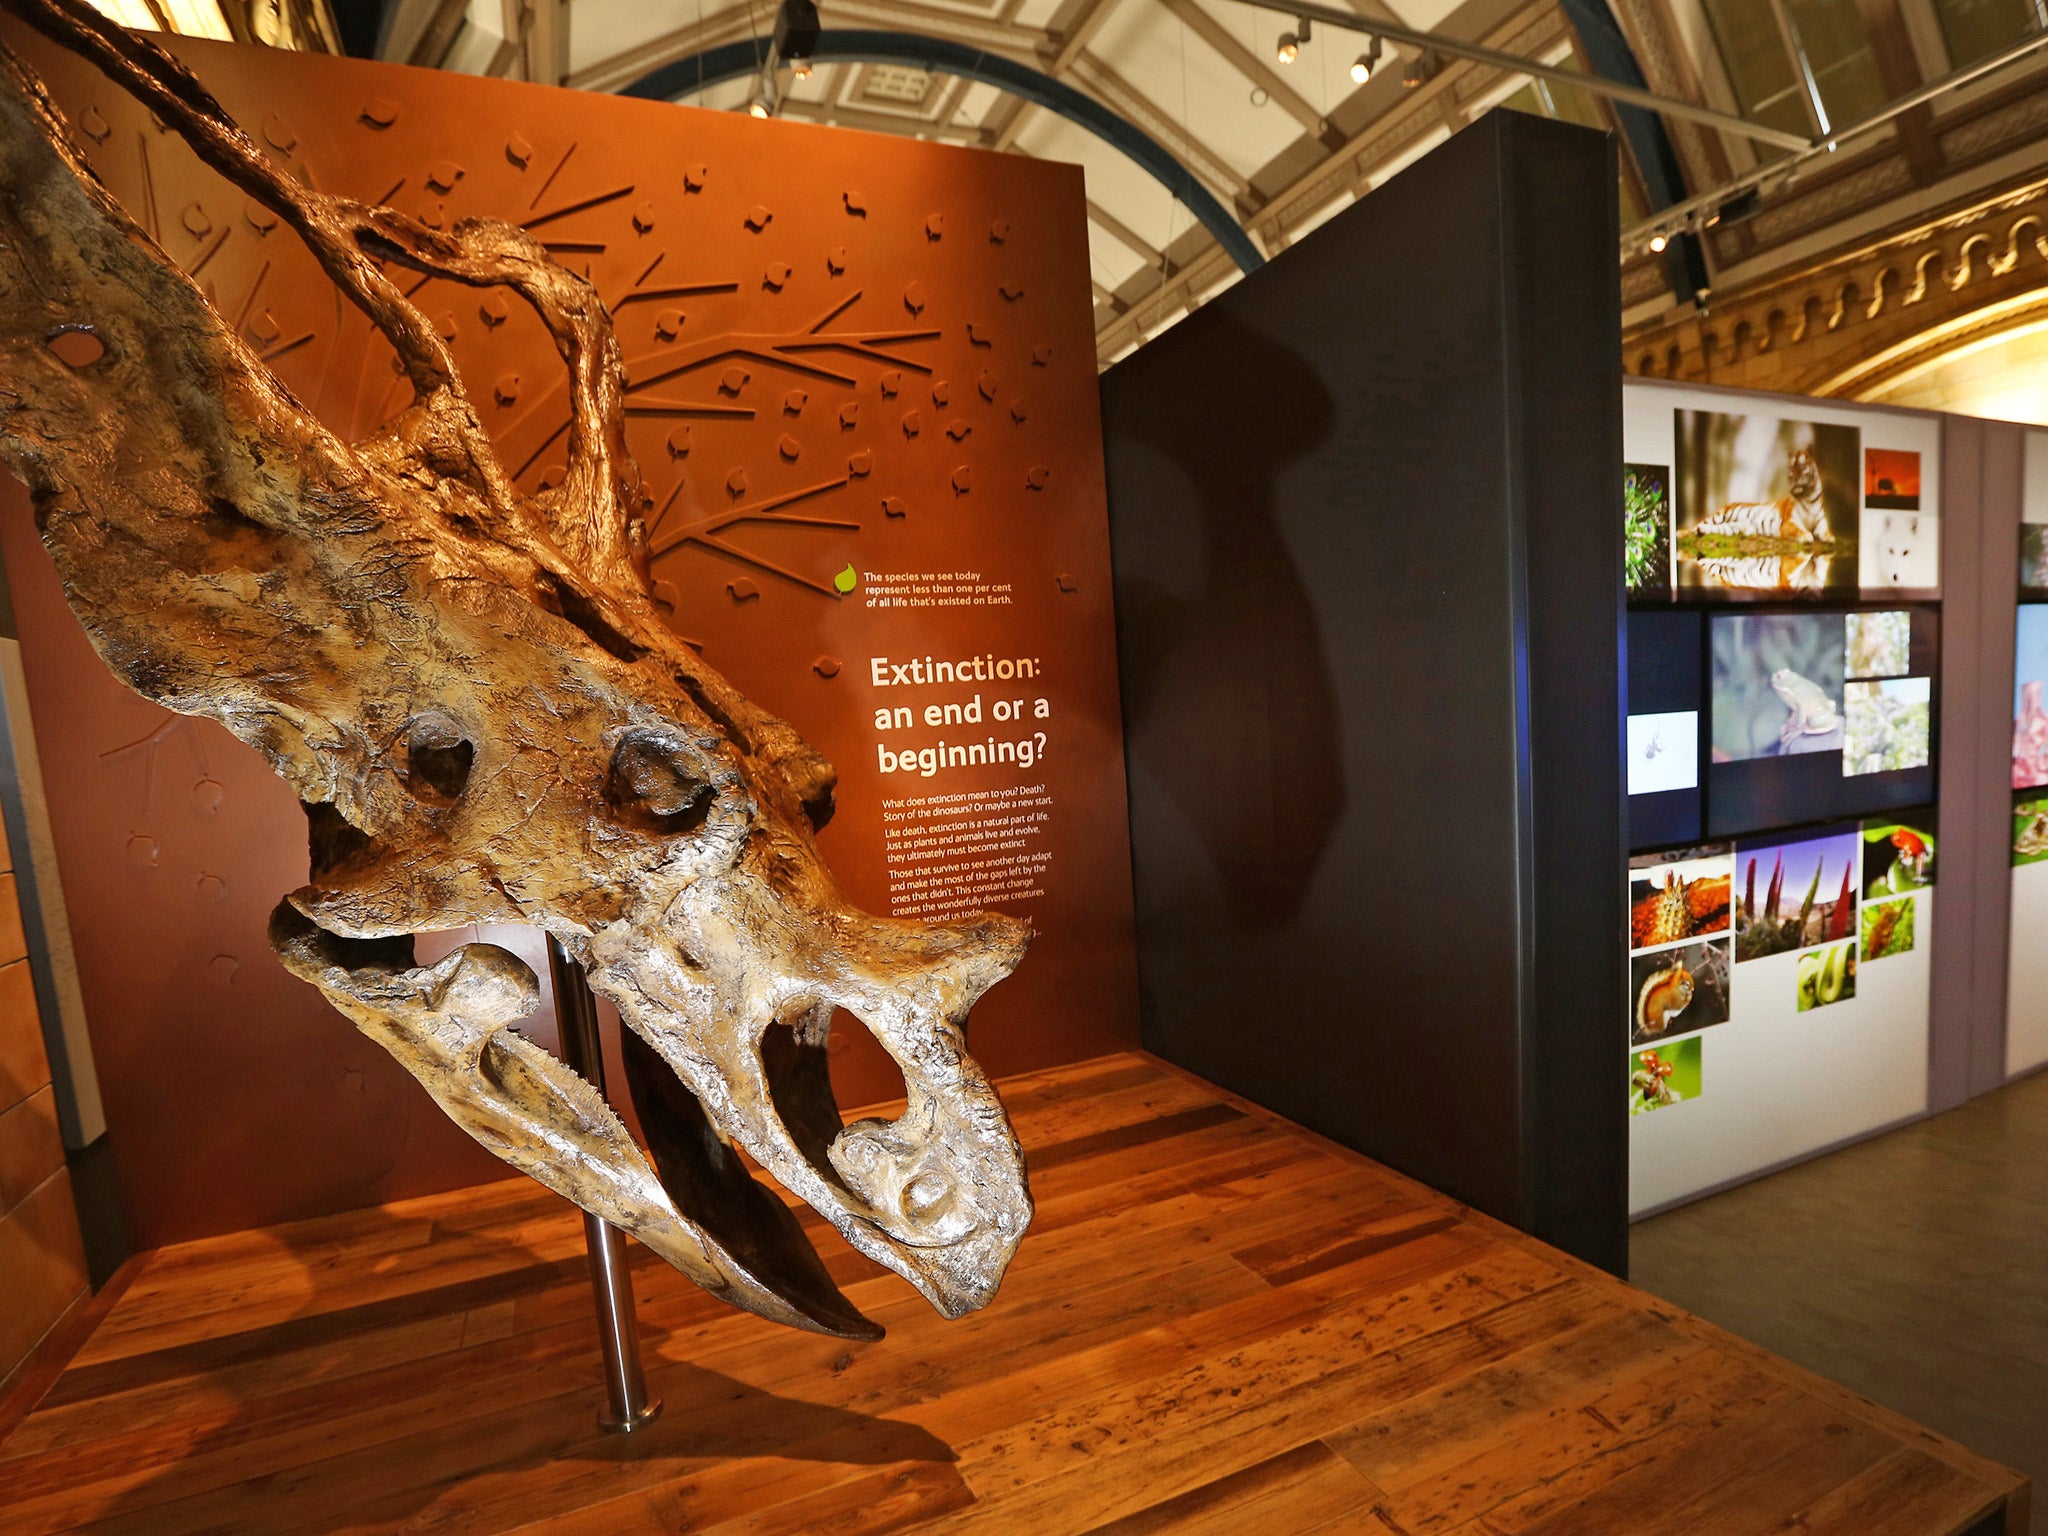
(863, 400)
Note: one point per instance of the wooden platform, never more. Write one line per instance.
(1217, 1324)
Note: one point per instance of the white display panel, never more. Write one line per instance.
(2026, 996)
(1777, 1083)
(1801, 1018)
(1663, 752)
(1797, 500)
(2034, 491)
(1886, 474)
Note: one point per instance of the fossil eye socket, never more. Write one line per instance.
(654, 784)
(75, 346)
(438, 758)
(923, 1196)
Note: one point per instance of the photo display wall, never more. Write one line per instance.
(2026, 1010)
(1784, 634)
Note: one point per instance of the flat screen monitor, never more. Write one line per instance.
(1815, 715)
(1665, 690)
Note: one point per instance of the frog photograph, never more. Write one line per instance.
(1766, 504)
(2030, 830)
(1898, 855)
(1778, 685)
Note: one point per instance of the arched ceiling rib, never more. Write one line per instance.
(744, 60)
(1196, 76)
(1282, 148)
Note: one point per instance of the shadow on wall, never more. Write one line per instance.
(1232, 640)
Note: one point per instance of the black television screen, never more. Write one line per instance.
(1666, 686)
(1817, 715)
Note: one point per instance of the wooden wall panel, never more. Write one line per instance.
(42, 1260)
(24, 1067)
(30, 1148)
(13, 944)
(42, 1268)
(24, 1064)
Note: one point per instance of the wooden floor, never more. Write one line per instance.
(1893, 1266)
(1217, 1324)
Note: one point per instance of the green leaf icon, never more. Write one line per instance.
(846, 580)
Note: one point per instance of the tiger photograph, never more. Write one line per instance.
(1767, 505)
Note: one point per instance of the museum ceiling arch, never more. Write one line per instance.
(1866, 322)
(1738, 284)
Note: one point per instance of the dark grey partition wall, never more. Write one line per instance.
(1365, 509)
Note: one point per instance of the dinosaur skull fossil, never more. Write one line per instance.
(487, 721)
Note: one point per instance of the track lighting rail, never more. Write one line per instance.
(1599, 85)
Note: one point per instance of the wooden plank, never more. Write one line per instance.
(1218, 1324)
(13, 942)
(35, 1376)
(1216, 1347)
(42, 1268)
(1185, 1432)
(1908, 1491)
(1651, 1422)
(1296, 1490)
(1393, 1340)
(1579, 1442)
(24, 1067)
(31, 1148)
(1195, 1117)
(1289, 1261)
(1749, 1472)
(1000, 1397)
(354, 1417)
(1412, 1443)
(186, 1353)
(1855, 1405)
(449, 1432)
(2014, 1486)
(114, 1397)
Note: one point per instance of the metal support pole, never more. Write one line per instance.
(626, 1407)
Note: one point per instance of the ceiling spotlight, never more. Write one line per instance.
(1737, 208)
(1368, 61)
(1290, 47)
(1658, 241)
(1421, 68)
(795, 40)
(760, 106)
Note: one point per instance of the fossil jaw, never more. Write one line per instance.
(937, 1195)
